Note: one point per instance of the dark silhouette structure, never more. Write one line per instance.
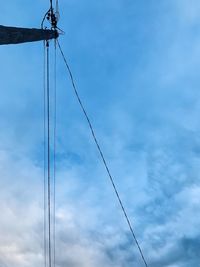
(15, 35)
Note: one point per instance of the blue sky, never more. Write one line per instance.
(136, 65)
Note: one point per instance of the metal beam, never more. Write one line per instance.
(15, 35)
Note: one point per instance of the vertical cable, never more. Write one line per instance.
(51, 5)
(48, 157)
(44, 170)
(57, 7)
(54, 156)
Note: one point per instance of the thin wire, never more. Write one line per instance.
(51, 5)
(42, 23)
(54, 156)
(57, 12)
(44, 174)
(102, 156)
(45, 15)
(48, 156)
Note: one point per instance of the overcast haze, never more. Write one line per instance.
(137, 68)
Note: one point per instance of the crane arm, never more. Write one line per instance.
(15, 35)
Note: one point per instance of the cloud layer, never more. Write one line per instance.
(137, 69)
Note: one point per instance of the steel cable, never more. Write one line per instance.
(102, 156)
(54, 156)
(48, 156)
(44, 148)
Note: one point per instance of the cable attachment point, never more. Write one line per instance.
(52, 18)
(47, 43)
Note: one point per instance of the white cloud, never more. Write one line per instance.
(150, 139)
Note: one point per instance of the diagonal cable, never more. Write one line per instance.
(102, 156)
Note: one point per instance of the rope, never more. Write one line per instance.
(48, 157)
(102, 155)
